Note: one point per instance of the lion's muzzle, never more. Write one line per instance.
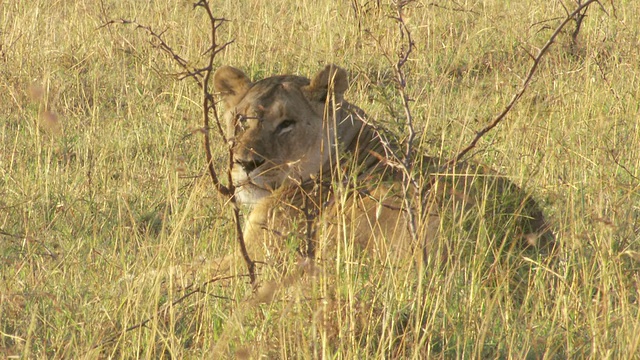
(250, 164)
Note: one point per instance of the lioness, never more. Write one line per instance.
(305, 161)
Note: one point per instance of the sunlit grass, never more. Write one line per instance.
(107, 215)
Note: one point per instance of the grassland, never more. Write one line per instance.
(103, 188)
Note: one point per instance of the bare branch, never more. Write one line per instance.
(251, 265)
(520, 92)
(199, 78)
(208, 104)
(163, 310)
(202, 77)
(406, 48)
(458, 7)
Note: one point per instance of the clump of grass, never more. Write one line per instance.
(103, 185)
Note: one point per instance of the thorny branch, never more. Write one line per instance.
(202, 77)
(209, 104)
(402, 57)
(197, 75)
(523, 88)
(202, 289)
(577, 17)
(581, 9)
(456, 7)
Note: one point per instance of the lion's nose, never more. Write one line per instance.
(250, 165)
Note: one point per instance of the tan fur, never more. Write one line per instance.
(306, 162)
(311, 169)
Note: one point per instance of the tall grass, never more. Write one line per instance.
(107, 216)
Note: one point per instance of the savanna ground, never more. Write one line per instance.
(103, 181)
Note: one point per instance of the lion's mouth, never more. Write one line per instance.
(255, 176)
(252, 187)
(250, 166)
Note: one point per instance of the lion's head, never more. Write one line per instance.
(281, 127)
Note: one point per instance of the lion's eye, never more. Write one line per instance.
(285, 126)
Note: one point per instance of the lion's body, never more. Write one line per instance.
(307, 161)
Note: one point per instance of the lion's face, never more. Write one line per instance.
(277, 127)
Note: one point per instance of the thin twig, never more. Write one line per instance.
(405, 51)
(457, 7)
(202, 77)
(251, 265)
(11, 235)
(309, 217)
(166, 307)
(197, 76)
(208, 104)
(616, 160)
(522, 90)
(398, 63)
(536, 62)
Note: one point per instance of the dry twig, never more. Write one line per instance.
(202, 289)
(523, 88)
(402, 57)
(202, 77)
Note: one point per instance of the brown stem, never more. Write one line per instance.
(251, 265)
(401, 80)
(522, 90)
(208, 104)
(166, 307)
(196, 75)
(536, 62)
(208, 107)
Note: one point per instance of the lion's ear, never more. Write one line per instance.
(331, 78)
(231, 83)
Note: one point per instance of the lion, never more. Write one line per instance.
(314, 172)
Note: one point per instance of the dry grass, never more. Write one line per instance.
(103, 184)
